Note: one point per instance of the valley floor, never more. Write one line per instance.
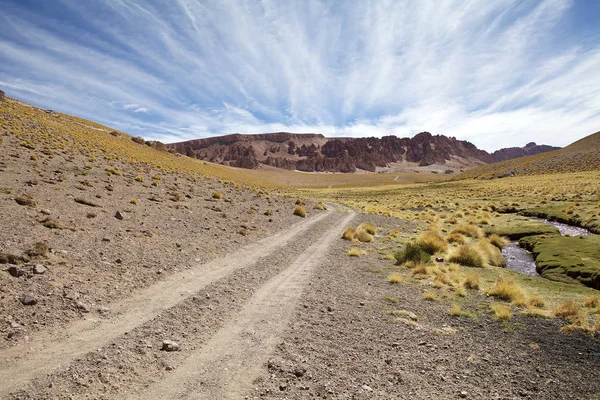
(292, 316)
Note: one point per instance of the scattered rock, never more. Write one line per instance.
(15, 272)
(102, 310)
(118, 215)
(300, 371)
(45, 211)
(82, 307)
(439, 259)
(367, 388)
(463, 394)
(169, 345)
(29, 300)
(39, 269)
(329, 309)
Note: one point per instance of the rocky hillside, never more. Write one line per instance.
(583, 155)
(316, 153)
(515, 152)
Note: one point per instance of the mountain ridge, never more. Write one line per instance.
(313, 152)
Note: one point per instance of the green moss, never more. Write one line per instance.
(566, 259)
(515, 228)
(584, 216)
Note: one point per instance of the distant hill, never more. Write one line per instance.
(583, 155)
(515, 152)
(314, 152)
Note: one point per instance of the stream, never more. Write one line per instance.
(521, 260)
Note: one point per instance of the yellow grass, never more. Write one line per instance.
(348, 233)
(501, 311)
(506, 289)
(395, 278)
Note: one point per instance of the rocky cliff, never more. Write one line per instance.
(314, 152)
(516, 152)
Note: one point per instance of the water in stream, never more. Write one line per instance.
(520, 260)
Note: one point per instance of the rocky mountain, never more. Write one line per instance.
(516, 152)
(314, 152)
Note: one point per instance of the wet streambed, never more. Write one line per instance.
(520, 260)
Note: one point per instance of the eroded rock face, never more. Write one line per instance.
(516, 152)
(1, 95)
(316, 153)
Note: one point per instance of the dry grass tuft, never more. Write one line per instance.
(430, 295)
(536, 301)
(467, 255)
(492, 254)
(217, 195)
(320, 206)
(470, 230)
(456, 238)
(408, 322)
(591, 302)
(367, 227)
(354, 252)
(501, 311)
(348, 233)
(568, 310)
(412, 253)
(364, 236)
(300, 211)
(395, 278)
(506, 289)
(40, 249)
(472, 281)
(432, 242)
(420, 270)
(498, 241)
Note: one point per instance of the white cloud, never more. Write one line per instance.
(498, 73)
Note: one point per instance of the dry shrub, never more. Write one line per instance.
(467, 255)
(472, 281)
(217, 195)
(492, 253)
(432, 242)
(456, 310)
(499, 241)
(369, 228)
(348, 233)
(506, 289)
(300, 211)
(364, 236)
(395, 278)
(501, 311)
(320, 206)
(443, 279)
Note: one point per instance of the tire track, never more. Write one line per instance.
(50, 352)
(224, 367)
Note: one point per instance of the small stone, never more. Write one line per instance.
(463, 394)
(15, 272)
(82, 307)
(367, 388)
(39, 269)
(439, 259)
(169, 368)
(103, 310)
(169, 345)
(118, 215)
(300, 371)
(283, 387)
(45, 211)
(119, 261)
(105, 239)
(29, 300)
(330, 309)
(362, 303)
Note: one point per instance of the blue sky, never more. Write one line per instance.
(496, 73)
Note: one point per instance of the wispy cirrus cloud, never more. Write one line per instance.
(498, 73)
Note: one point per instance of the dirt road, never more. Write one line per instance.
(255, 291)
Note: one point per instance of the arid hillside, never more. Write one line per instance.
(583, 155)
